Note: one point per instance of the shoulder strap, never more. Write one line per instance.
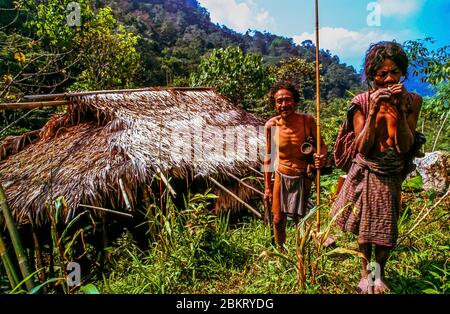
(362, 101)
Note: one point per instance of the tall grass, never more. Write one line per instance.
(201, 253)
(194, 251)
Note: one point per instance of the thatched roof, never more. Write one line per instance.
(127, 135)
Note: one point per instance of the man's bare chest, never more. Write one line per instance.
(287, 136)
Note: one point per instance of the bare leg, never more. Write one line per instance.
(279, 228)
(381, 256)
(364, 286)
(279, 218)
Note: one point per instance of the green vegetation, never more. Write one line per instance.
(241, 77)
(200, 253)
(121, 44)
(40, 53)
(434, 65)
(140, 43)
(191, 250)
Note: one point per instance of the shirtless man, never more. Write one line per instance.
(292, 185)
(384, 122)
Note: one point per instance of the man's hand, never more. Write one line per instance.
(268, 196)
(319, 160)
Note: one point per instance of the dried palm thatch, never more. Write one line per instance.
(129, 136)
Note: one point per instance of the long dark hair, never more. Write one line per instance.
(377, 53)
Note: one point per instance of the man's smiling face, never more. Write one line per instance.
(284, 103)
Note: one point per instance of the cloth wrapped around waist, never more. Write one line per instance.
(292, 194)
(386, 164)
(290, 171)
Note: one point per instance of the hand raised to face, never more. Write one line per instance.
(379, 96)
(400, 93)
(398, 90)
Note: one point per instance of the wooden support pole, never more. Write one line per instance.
(33, 105)
(254, 211)
(258, 172)
(245, 184)
(15, 239)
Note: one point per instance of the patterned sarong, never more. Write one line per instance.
(371, 197)
(292, 194)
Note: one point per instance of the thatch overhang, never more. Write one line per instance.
(129, 136)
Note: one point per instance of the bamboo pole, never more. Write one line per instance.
(236, 197)
(317, 113)
(15, 239)
(33, 105)
(245, 184)
(87, 93)
(7, 262)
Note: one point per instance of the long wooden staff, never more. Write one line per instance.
(317, 114)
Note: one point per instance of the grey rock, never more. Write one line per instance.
(433, 169)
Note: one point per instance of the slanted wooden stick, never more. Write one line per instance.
(166, 182)
(254, 211)
(107, 210)
(245, 184)
(125, 195)
(258, 172)
(116, 91)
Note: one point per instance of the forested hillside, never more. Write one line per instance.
(176, 33)
(47, 46)
(171, 35)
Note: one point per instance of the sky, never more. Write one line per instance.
(346, 27)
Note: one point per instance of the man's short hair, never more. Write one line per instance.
(377, 53)
(284, 84)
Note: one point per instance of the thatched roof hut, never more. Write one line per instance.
(110, 143)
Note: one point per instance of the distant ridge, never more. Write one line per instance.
(176, 33)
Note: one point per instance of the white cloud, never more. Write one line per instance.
(347, 44)
(399, 7)
(238, 15)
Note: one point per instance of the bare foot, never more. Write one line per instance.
(364, 286)
(381, 286)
